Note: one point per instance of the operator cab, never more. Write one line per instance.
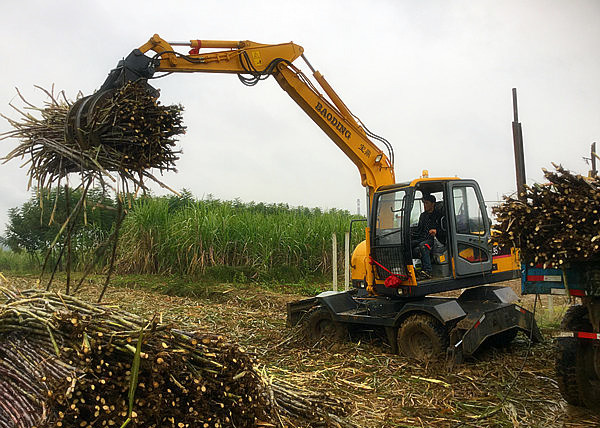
(438, 255)
(459, 254)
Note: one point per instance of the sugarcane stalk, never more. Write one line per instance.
(120, 216)
(68, 242)
(131, 132)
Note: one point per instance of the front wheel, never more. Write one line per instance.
(422, 337)
(503, 339)
(576, 319)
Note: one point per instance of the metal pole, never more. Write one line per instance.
(518, 148)
(593, 155)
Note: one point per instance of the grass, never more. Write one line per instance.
(211, 241)
(550, 311)
(18, 262)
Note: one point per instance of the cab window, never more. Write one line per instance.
(467, 211)
(390, 214)
(418, 208)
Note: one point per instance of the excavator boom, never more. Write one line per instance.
(253, 62)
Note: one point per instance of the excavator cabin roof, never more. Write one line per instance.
(421, 182)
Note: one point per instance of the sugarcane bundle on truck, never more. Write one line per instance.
(556, 226)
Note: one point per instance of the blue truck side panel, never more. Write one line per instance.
(552, 280)
(581, 279)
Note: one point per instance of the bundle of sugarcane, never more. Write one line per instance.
(125, 131)
(68, 363)
(554, 223)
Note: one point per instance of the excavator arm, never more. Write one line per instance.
(253, 62)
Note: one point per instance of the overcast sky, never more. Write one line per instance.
(433, 77)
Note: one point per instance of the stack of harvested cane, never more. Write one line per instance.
(555, 223)
(125, 131)
(64, 362)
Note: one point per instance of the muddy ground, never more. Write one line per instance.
(513, 387)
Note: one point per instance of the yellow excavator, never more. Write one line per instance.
(388, 290)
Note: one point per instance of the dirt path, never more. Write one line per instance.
(385, 390)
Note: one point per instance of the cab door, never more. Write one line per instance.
(470, 229)
(390, 239)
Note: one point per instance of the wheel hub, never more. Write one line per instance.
(422, 345)
(327, 328)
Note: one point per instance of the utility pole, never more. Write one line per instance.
(593, 156)
(518, 146)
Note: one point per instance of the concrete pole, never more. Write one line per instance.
(347, 261)
(334, 260)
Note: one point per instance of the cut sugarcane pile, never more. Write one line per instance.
(128, 133)
(558, 222)
(65, 362)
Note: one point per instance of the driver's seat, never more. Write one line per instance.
(440, 210)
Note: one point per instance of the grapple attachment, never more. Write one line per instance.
(136, 67)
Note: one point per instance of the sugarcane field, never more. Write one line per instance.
(181, 247)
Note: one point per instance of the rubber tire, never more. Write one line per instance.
(588, 376)
(503, 339)
(565, 362)
(319, 324)
(576, 319)
(423, 338)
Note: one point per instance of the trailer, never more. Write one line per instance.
(577, 362)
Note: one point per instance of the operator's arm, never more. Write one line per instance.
(427, 226)
(417, 233)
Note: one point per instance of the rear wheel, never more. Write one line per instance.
(319, 324)
(566, 352)
(503, 339)
(422, 337)
(588, 373)
(576, 319)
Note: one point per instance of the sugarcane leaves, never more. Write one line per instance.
(53, 340)
(133, 382)
(135, 368)
(114, 238)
